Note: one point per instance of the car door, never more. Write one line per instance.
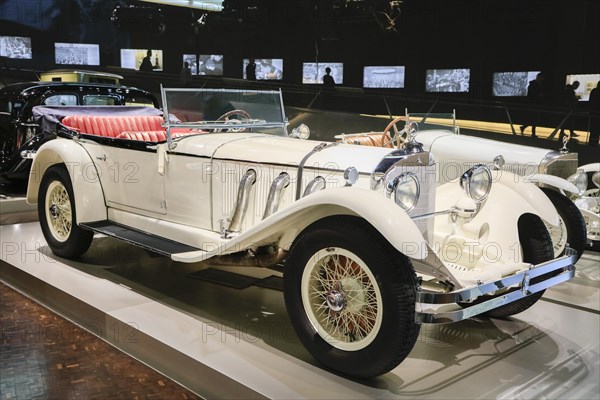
(129, 174)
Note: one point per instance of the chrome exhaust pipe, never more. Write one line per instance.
(316, 184)
(275, 193)
(241, 205)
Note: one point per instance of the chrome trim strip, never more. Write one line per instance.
(520, 280)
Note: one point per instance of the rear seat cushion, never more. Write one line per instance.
(112, 126)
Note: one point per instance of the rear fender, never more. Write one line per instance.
(89, 196)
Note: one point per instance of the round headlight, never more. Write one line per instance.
(580, 180)
(301, 132)
(477, 182)
(406, 190)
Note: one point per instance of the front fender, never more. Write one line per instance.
(494, 229)
(552, 180)
(89, 197)
(533, 195)
(593, 167)
(383, 214)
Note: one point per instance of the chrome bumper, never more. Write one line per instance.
(563, 266)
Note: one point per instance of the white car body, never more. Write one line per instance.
(214, 195)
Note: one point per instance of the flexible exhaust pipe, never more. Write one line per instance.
(241, 205)
(275, 193)
(316, 184)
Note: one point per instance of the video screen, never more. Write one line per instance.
(76, 53)
(512, 83)
(266, 68)
(15, 47)
(312, 73)
(447, 80)
(383, 77)
(132, 58)
(587, 82)
(192, 61)
(211, 64)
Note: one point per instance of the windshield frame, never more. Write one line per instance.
(255, 125)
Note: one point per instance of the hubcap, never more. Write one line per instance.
(336, 300)
(58, 217)
(342, 299)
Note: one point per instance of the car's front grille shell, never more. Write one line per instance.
(561, 166)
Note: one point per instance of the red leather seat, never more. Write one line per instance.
(112, 126)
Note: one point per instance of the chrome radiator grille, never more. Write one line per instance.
(562, 167)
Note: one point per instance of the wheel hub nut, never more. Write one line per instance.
(336, 300)
(54, 211)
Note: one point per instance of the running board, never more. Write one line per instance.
(141, 239)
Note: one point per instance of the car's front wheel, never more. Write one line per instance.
(57, 214)
(571, 229)
(351, 297)
(536, 247)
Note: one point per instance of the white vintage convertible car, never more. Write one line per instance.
(555, 171)
(372, 247)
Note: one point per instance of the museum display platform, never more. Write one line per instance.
(233, 339)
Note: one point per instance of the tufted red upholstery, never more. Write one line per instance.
(112, 126)
(143, 128)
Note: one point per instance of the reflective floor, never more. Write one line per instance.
(225, 342)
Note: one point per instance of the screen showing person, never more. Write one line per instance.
(191, 59)
(266, 68)
(133, 58)
(312, 73)
(383, 77)
(15, 47)
(512, 83)
(447, 80)
(587, 82)
(210, 64)
(76, 53)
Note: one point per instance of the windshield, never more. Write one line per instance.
(223, 110)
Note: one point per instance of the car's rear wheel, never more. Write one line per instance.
(571, 229)
(57, 214)
(351, 297)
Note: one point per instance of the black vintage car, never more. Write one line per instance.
(18, 131)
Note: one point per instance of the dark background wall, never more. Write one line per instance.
(557, 36)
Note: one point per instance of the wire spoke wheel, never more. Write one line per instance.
(558, 235)
(342, 299)
(59, 216)
(351, 297)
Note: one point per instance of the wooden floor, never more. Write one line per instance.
(44, 356)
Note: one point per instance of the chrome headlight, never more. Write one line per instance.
(301, 132)
(596, 179)
(477, 182)
(579, 179)
(406, 190)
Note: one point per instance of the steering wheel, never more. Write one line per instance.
(399, 135)
(227, 118)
